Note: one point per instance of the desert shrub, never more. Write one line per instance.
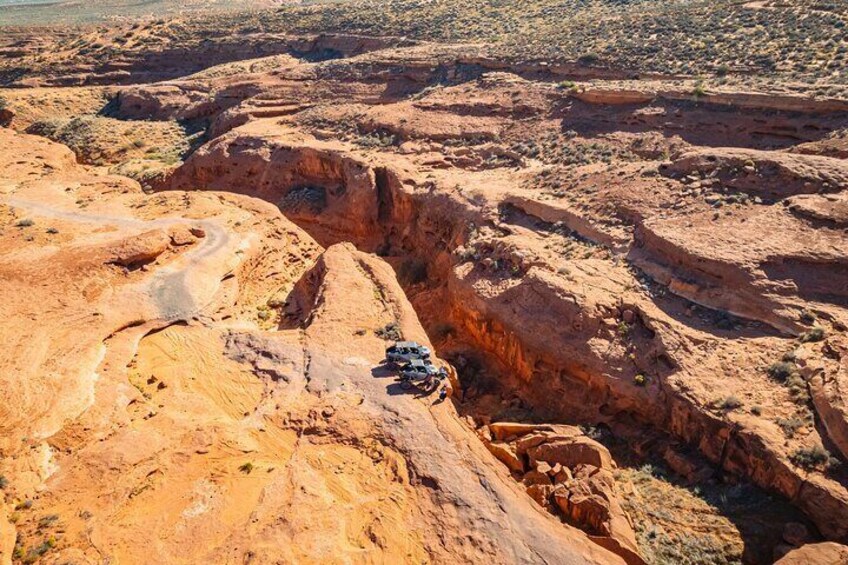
(815, 334)
(640, 380)
(390, 332)
(729, 403)
(25, 223)
(797, 387)
(790, 425)
(807, 316)
(815, 457)
(246, 468)
(757, 410)
(781, 371)
(304, 198)
(47, 521)
(588, 59)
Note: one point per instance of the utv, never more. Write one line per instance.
(406, 351)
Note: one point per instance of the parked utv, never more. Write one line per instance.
(406, 351)
(421, 373)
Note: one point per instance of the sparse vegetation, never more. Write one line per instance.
(23, 505)
(101, 140)
(246, 468)
(264, 313)
(390, 332)
(782, 370)
(310, 199)
(25, 223)
(640, 380)
(729, 403)
(47, 521)
(666, 505)
(790, 426)
(801, 40)
(807, 316)
(797, 387)
(815, 334)
(811, 458)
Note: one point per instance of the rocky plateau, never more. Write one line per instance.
(639, 285)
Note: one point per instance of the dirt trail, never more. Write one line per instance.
(169, 288)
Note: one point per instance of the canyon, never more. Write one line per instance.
(641, 284)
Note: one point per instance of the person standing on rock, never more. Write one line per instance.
(446, 390)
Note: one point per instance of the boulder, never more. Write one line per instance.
(541, 493)
(589, 501)
(571, 452)
(506, 430)
(138, 250)
(181, 235)
(828, 553)
(506, 455)
(536, 478)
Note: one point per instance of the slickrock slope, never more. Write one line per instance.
(154, 411)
